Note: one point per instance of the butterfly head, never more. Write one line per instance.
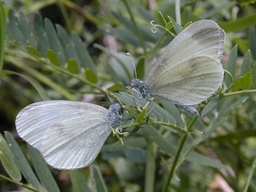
(113, 115)
(136, 83)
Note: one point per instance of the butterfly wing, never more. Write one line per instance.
(33, 121)
(189, 70)
(75, 143)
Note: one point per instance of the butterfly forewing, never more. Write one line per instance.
(75, 143)
(189, 70)
(50, 124)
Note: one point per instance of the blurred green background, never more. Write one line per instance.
(37, 65)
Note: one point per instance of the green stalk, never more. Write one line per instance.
(65, 15)
(2, 36)
(150, 166)
(250, 176)
(183, 141)
(17, 183)
(139, 34)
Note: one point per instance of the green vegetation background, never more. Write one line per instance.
(72, 50)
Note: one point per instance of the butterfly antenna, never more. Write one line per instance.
(128, 54)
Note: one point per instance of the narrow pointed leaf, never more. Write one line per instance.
(210, 105)
(170, 107)
(23, 164)
(26, 30)
(42, 170)
(78, 181)
(42, 40)
(54, 41)
(14, 31)
(99, 184)
(68, 49)
(83, 55)
(231, 65)
(8, 160)
(246, 65)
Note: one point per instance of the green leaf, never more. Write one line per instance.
(247, 81)
(243, 82)
(34, 52)
(146, 33)
(78, 181)
(26, 30)
(210, 105)
(205, 161)
(41, 91)
(169, 25)
(14, 31)
(237, 85)
(238, 24)
(42, 170)
(90, 76)
(83, 55)
(141, 116)
(8, 160)
(254, 74)
(171, 149)
(172, 109)
(115, 87)
(67, 45)
(53, 57)
(125, 36)
(42, 40)
(147, 14)
(252, 41)
(97, 178)
(215, 124)
(158, 112)
(2, 36)
(72, 66)
(231, 65)
(54, 41)
(228, 109)
(21, 161)
(246, 65)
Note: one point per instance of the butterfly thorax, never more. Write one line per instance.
(113, 115)
(143, 88)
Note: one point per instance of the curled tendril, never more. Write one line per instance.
(154, 26)
(153, 29)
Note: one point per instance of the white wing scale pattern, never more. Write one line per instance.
(69, 134)
(189, 70)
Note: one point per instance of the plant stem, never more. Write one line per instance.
(250, 176)
(65, 15)
(150, 166)
(18, 183)
(175, 161)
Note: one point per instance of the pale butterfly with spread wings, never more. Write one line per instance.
(69, 134)
(189, 69)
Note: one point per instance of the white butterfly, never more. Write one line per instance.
(189, 70)
(69, 134)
